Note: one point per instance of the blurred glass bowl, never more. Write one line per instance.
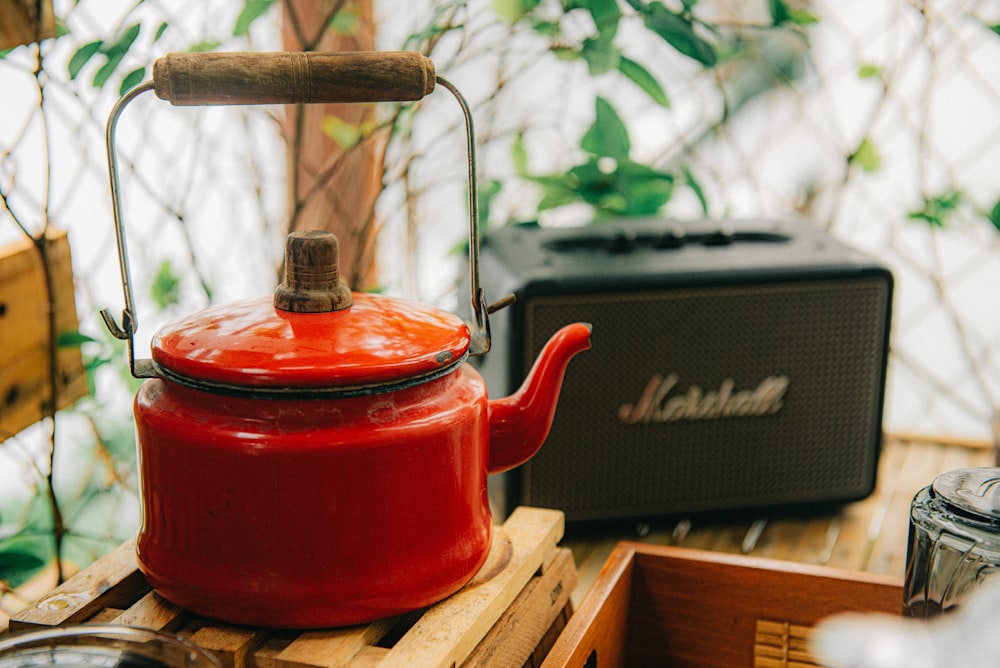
(88, 646)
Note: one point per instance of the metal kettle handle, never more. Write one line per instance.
(202, 79)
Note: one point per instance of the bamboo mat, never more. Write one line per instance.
(867, 535)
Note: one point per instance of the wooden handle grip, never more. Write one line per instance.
(279, 77)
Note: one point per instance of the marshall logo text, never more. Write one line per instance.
(659, 402)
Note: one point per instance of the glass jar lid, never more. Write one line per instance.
(971, 492)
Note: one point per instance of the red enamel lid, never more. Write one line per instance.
(375, 342)
(343, 342)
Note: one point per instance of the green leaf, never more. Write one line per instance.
(867, 156)
(693, 184)
(131, 79)
(344, 22)
(509, 10)
(780, 13)
(566, 53)
(123, 43)
(547, 28)
(627, 189)
(512, 10)
(252, 10)
(870, 71)
(601, 55)
(103, 74)
(519, 155)
(606, 15)
(995, 28)
(641, 77)
(17, 566)
(90, 368)
(347, 135)
(82, 56)
(994, 215)
(165, 289)
(73, 339)
(937, 210)
(802, 17)
(159, 31)
(115, 53)
(678, 31)
(4, 52)
(646, 190)
(487, 192)
(608, 135)
(203, 47)
(557, 190)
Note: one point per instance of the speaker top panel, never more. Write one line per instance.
(736, 251)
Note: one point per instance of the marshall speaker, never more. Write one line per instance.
(734, 365)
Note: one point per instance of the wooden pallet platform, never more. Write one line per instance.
(509, 614)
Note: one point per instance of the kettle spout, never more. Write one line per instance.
(520, 423)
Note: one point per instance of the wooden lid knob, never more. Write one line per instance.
(312, 274)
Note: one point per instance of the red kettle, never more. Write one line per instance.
(319, 457)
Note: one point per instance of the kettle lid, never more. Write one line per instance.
(314, 336)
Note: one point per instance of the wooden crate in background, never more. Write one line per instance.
(25, 333)
(25, 21)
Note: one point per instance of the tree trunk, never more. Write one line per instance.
(332, 186)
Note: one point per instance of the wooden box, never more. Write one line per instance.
(655, 605)
(27, 327)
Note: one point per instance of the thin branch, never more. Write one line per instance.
(42, 244)
(324, 24)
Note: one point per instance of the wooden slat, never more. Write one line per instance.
(112, 581)
(231, 645)
(519, 631)
(151, 612)
(783, 645)
(331, 648)
(599, 626)
(24, 333)
(449, 631)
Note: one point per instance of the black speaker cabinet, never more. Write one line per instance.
(735, 365)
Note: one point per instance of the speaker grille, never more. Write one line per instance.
(826, 337)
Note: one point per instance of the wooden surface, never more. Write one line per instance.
(867, 535)
(24, 332)
(659, 605)
(501, 617)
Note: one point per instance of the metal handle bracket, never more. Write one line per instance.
(479, 327)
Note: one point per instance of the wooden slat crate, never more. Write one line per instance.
(657, 605)
(24, 333)
(25, 21)
(516, 604)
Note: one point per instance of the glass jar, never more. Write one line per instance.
(89, 646)
(954, 540)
